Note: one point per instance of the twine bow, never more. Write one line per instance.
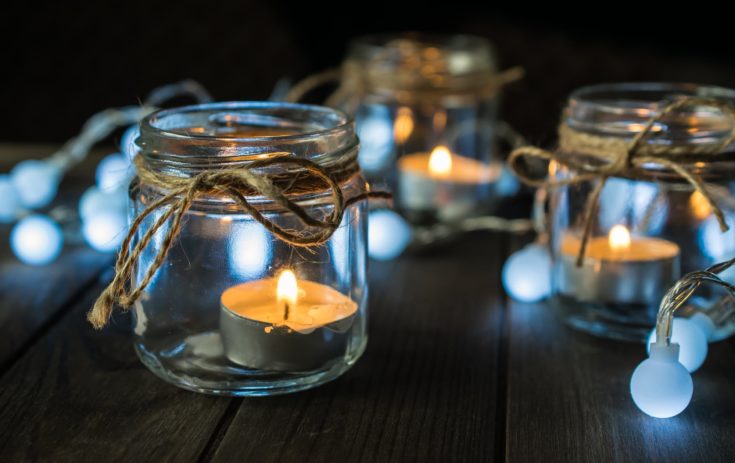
(236, 184)
(614, 156)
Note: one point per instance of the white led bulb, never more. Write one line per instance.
(36, 240)
(388, 234)
(661, 386)
(527, 274)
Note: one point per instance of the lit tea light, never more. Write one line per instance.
(285, 324)
(440, 162)
(618, 268)
(443, 182)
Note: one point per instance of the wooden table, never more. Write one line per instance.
(453, 372)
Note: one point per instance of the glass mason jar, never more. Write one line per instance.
(233, 309)
(651, 226)
(426, 109)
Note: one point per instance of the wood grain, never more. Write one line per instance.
(82, 395)
(425, 388)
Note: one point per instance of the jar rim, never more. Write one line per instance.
(186, 140)
(422, 61)
(148, 124)
(623, 108)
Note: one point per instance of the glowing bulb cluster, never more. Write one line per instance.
(527, 274)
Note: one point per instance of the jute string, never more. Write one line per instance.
(353, 84)
(605, 156)
(237, 184)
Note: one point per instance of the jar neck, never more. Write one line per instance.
(183, 142)
(622, 110)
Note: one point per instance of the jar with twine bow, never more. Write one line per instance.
(245, 264)
(641, 191)
(426, 110)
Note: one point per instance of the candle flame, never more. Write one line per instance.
(700, 206)
(619, 238)
(440, 162)
(287, 290)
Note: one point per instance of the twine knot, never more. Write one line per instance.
(598, 157)
(238, 184)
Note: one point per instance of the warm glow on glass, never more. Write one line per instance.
(440, 162)
(700, 206)
(287, 290)
(403, 126)
(619, 238)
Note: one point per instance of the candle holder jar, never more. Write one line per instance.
(425, 108)
(649, 224)
(233, 309)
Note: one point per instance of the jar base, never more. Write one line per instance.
(222, 378)
(623, 323)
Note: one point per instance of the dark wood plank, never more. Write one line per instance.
(426, 386)
(82, 395)
(32, 296)
(568, 399)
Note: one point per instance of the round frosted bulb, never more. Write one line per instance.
(9, 200)
(36, 240)
(94, 201)
(388, 234)
(661, 386)
(105, 231)
(692, 342)
(113, 172)
(35, 182)
(527, 274)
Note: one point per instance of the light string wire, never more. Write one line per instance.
(682, 290)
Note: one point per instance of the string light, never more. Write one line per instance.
(36, 240)
(692, 335)
(661, 385)
(527, 274)
(33, 184)
(388, 234)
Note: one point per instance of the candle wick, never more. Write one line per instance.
(285, 311)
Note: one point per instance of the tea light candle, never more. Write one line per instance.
(283, 324)
(442, 181)
(618, 268)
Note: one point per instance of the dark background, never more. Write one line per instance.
(63, 61)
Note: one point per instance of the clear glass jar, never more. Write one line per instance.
(651, 226)
(210, 320)
(426, 109)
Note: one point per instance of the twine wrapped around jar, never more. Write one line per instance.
(354, 81)
(238, 184)
(606, 156)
